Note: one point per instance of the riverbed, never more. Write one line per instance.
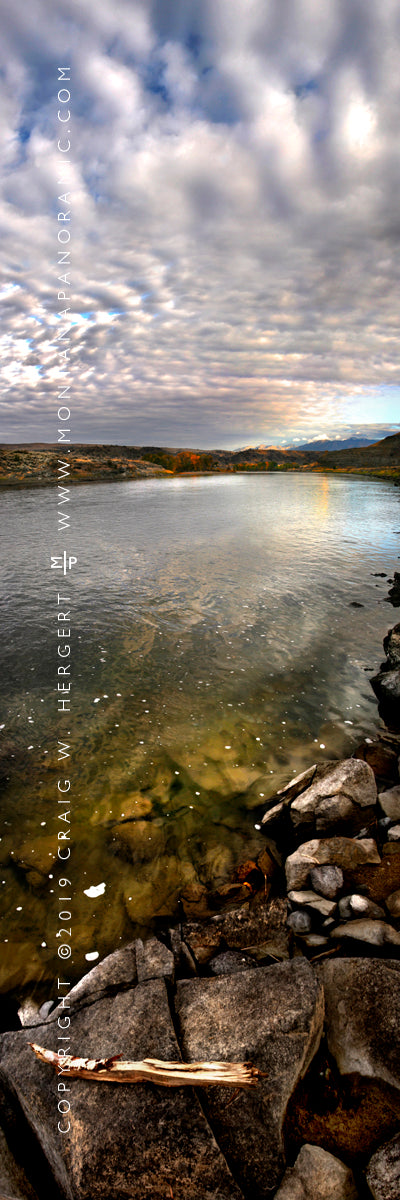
(223, 633)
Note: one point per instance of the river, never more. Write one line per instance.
(223, 633)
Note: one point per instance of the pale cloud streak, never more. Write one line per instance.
(234, 224)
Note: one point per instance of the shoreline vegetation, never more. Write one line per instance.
(40, 464)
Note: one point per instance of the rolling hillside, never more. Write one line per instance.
(385, 453)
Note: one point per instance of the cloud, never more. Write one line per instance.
(233, 189)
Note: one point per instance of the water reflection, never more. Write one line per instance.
(214, 653)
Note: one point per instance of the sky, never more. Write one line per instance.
(232, 185)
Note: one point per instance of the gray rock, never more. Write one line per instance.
(203, 940)
(183, 957)
(135, 1141)
(154, 960)
(314, 941)
(327, 880)
(317, 1175)
(299, 922)
(393, 904)
(44, 1010)
(394, 834)
(374, 933)
(299, 784)
(382, 757)
(390, 803)
(175, 939)
(362, 999)
(13, 1180)
(383, 1172)
(336, 812)
(386, 685)
(114, 973)
(189, 963)
(274, 1017)
(310, 899)
(279, 804)
(229, 962)
(377, 881)
(351, 782)
(355, 906)
(28, 1013)
(394, 592)
(346, 853)
(259, 928)
(391, 645)
(274, 813)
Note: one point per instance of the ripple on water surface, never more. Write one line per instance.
(214, 653)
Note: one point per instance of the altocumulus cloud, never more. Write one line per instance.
(234, 187)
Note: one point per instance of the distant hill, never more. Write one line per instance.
(385, 453)
(25, 465)
(351, 443)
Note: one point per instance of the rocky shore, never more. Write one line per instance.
(298, 972)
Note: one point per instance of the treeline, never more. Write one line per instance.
(185, 461)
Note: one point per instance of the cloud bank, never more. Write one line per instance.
(234, 218)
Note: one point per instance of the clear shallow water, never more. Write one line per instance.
(214, 653)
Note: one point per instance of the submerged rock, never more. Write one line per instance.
(273, 1016)
(138, 840)
(383, 1173)
(317, 1175)
(156, 886)
(38, 855)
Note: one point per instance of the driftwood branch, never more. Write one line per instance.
(151, 1070)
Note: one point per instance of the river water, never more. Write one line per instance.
(224, 630)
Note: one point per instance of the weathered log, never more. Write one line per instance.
(151, 1070)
